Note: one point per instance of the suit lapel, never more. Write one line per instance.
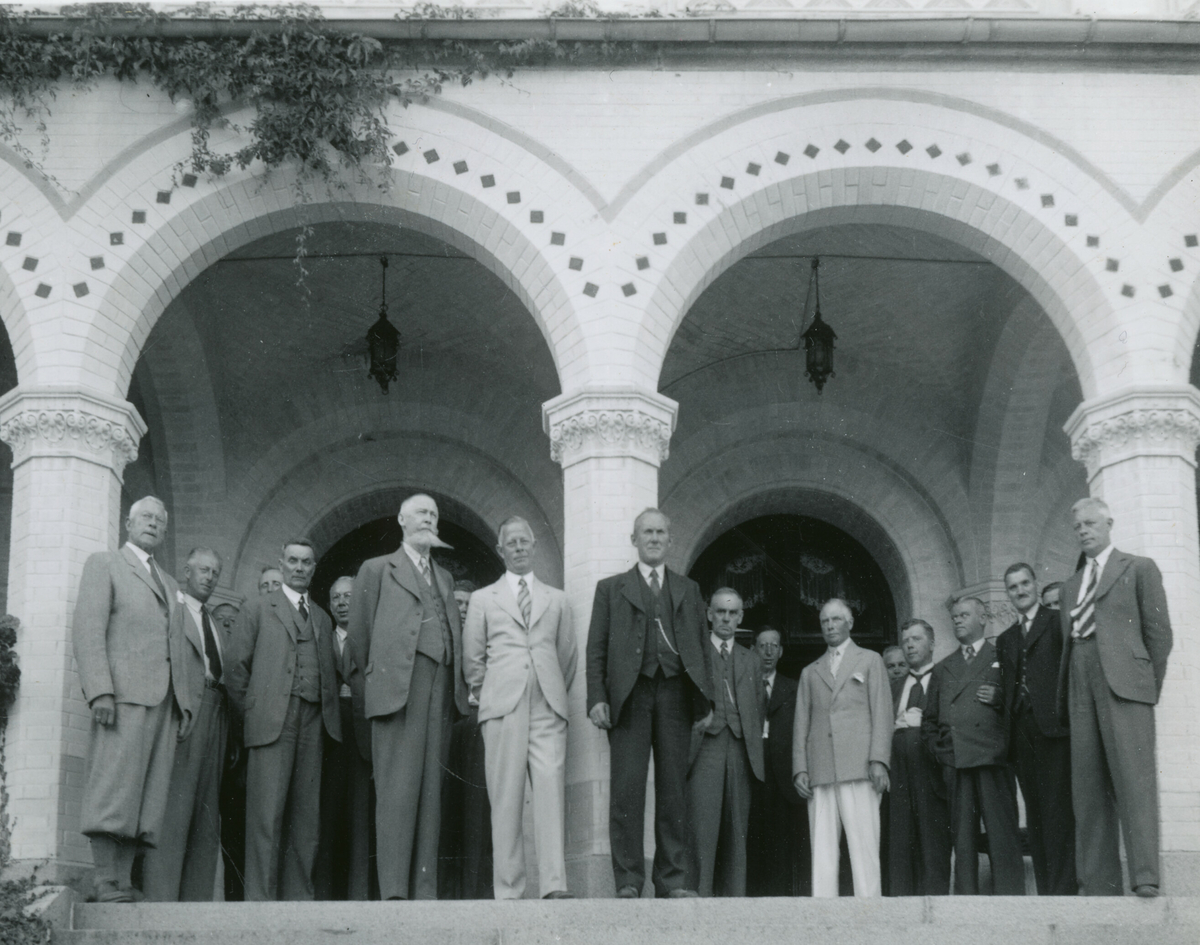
(404, 572)
(287, 614)
(1117, 562)
(142, 573)
(631, 587)
(1041, 623)
(508, 603)
(847, 668)
(969, 672)
(541, 600)
(190, 630)
(823, 670)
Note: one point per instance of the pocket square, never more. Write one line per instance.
(858, 677)
(995, 666)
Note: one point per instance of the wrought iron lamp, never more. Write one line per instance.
(818, 337)
(383, 340)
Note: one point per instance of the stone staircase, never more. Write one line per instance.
(935, 921)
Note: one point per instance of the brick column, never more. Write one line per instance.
(610, 442)
(69, 450)
(1139, 446)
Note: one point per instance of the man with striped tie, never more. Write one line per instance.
(519, 656)
(1117, 636)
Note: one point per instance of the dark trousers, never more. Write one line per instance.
(233, 811)
(657, 714)
(1114, 784)
(465, 847)
(283, 807)
(183, 867)
(408, 750)
(343, 865)
(1043, 768)
(778, 855)
(719, 807)
(919, 821)
(987, 792)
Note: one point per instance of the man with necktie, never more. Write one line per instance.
(647, 683)
(281, 678)
(130, 656)
(406, 634)
(1117, 637)
(965, 726)
(778, 857)
(727, 755)
(1030, 654)
(183, 867)
(520, 654)
(919, 826)
(841, 748)
(342, 868)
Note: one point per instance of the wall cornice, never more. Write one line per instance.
(64, 422)
(609, 422)
(1147, 420)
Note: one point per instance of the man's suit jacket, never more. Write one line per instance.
(385, 621)
(618, 631)
(842, 724)
(126, 644)
(781, 716)
(259, 677)
(747, 679)
(1043, 660)
(1133, 629)
(959, 730)
(184, 623)
(922, 763)
(498, 648)
(352, 676)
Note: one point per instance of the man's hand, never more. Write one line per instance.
(104, 710)
(988, 694)
(878, 773)
(803, 788)
(185, 726)
(700, 725)
(599, 716)
(912, 717)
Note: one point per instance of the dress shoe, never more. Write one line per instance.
(558, 894)
(683, 894)
(109, 891)
(628, 892)
(1146, 891)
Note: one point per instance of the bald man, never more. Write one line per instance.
(131, 661)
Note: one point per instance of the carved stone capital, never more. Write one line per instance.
(62, 422)
(1139, 421)
(609, 422)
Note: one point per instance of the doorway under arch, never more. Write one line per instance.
(786, 566)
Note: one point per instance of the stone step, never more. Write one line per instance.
(978, 921)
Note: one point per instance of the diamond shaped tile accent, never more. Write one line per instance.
(590, 289)
(782, 158)
(1175, 264)
(1191, 240)
(42, 291)
(1165, 291)
(1127, 291)
(400, 148)
(13, 239)
(727, 183)
(964, 159)
(994, 170)
(189, 180)
(934, 151)
(116, 239)
(488, 180)
(812, 151)
(97, 262)
(629, 289)
(1022, 183)
(643, 262)
(30, 264)
(537, 216)
(139, 216)
(460, 167)
(1112, 265)
(842, 146)
(1093, 241)
(903, 146)
(660, 239)
(680, 217)
(1071, 219)
(576, 263)
(701, 200)
(558, 239)
(513, 196)
(163, 196)
(753, 168)
(431, 156)
(81, 289)
(873, 145)
(1047, 200)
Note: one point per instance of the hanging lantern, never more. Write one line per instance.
(383, 340)
(818, 339)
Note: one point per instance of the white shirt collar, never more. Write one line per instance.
(415, 556)
(295, 596)
(142, 555)
(1102, 558)
(976, 646)
(717, 641)
(192, 604)
(840, 649)
(1030, 614)
(341, 633)
(514, 582)
(645, 569)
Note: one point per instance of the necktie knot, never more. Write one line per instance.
(524, 601)
(724, 650)
(968, 653)
(655, 586)
(302, 606)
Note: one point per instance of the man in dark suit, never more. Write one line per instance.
(727, 755)
(406, 634)
(1114, 617)
(647, 683)
(778, 857)
(282, 680)
(342, 868)
(183, 867)
(1040, 745)
(919, 848)
(233, 781)
(966, 728)
(131, 668)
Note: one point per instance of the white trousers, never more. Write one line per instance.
(531, 740)
(854, 806)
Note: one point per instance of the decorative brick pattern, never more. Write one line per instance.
(727, 183)
(558, 239)
(139, 216)
(188, 180)
(80, 289)
(903, 146)
(842, 146)
(1112, 265)
(964, 159)
(400, 148)
(30, 264)
(782, 158)
(13, 239)
(812, 151)
(488, 180)
(590, 289)
(934, 151)
(431, 156)
(629, 289)
(701, 200)
(1175, 264)
(537, 216)
(660, 239)
(753, 169)
(97, 262)
(643, 262)
(680, 217)
(513, 196)
(116, 239)
(872, 145)
(42, 291)
(163, 196)
(460, 167)
(576, 263)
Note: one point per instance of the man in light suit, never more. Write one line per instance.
(1030, 654)
(282, 680)
(1118, 637)
(840, 752)
(520, 654)
(919, 824)
(342, 869)
(648, 682)
(406, 634)
(726, 750)
(965, 726)
(131, 668)
(183, 867)
(778, 856)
